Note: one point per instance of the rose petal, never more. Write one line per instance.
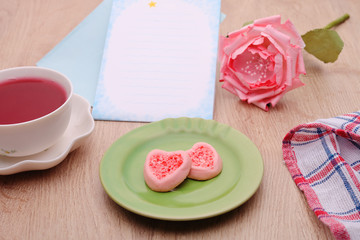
(223, 65)
(263, 52)
(264, 94)
(236, 33)
(296, 83)
(300, 63)
(274, 43)
(275, 99)
(297, 66)
(292, 82)
(258, 96)
(259, 41)
(242, 42)
(262, 104)
(229, 87)
(242, 38)
(278, 69)
(281, 39)
(289, 29)
(272, 49)
(288, 74)
(236, 84)
(271, 65)
(240, 50)
(237, 74)
(241, 95)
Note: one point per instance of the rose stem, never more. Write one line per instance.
(337, 21)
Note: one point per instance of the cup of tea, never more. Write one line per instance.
(35, 109)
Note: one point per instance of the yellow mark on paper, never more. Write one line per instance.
(152, 4)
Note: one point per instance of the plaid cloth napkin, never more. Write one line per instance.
(323, 158)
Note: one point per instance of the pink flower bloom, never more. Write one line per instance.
(262, 61)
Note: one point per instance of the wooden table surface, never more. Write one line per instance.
(68, 201)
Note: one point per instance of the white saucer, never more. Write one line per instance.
(80, 126)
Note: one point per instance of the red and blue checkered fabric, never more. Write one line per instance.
(323, 158)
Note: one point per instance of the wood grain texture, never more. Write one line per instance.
(68, 201)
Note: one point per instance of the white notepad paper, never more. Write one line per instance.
(159, 60)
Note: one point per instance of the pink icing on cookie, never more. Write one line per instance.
(206, 162)
(163, 171)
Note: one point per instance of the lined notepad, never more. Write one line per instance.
(159, 60)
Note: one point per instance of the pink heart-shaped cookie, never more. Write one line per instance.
(163, 171)
(206, 162)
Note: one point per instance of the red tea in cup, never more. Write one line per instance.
(35, 109)
(25, 99)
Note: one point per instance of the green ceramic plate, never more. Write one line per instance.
(121, 170)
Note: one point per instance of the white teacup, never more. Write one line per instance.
(33, 136)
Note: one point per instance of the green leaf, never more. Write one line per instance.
(325, 44)
(248, 23)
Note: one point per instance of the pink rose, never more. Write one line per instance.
(262, 61)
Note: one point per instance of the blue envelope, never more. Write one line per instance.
(79, 54)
